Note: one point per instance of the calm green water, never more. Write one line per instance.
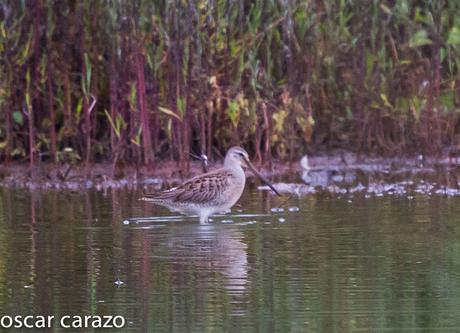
(376, 264)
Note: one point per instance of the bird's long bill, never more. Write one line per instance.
(262, 178)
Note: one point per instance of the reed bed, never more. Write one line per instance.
(143, 81)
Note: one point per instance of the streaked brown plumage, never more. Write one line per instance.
(212, 192)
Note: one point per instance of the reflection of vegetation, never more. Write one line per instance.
(271, 74)
(3, 244)
(370, 265)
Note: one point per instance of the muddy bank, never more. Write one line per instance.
(337, 173)
(101, 176)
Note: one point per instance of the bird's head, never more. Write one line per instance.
(239, 156)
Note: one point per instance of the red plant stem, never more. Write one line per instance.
(86, 111)
(52, 113)
(87, 131)
(9, 134)
(209, 130)
(257, 140)
(202, 132)
(30, 117)
(68, 123)
(267, 152)
(113, 101)
(87, 127)
(188, 119)
(146, 138)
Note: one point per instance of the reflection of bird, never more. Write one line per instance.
(212, 192)
(211, 250)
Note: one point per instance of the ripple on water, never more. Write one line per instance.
(132, 221)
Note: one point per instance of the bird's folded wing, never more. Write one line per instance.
(201, 189)
(206, 188)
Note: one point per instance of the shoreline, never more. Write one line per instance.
(66, 177)
(165, 174)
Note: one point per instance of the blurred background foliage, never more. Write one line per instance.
(141, 81)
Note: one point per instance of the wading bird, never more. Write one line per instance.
(212, 192)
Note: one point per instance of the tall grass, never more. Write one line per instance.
(140, 81)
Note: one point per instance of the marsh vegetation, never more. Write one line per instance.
(141, 81)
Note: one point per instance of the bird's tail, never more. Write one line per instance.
(157, 196)
(150, 196)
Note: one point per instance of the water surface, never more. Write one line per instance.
(335, 265)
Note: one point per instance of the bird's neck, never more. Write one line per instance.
(228, 162)
(234, 167)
